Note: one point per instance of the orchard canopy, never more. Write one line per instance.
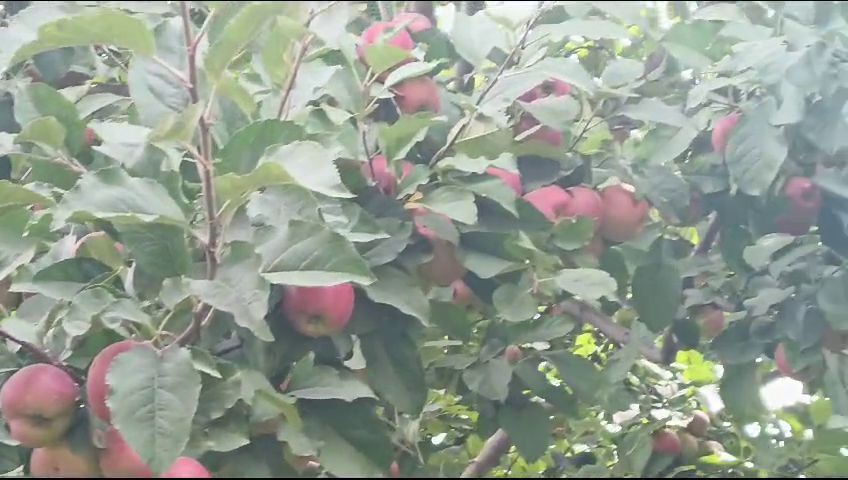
(424, 239)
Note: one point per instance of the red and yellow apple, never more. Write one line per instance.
(419, 94)
(624, 215)
(319, 311)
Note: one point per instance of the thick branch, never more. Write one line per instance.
(490, 455)
(205, 170)
(39, 354)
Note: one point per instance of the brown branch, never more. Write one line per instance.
(709, 238)
(490, 455)
(298, 61)
(205, 169)
(467, 120)
(40, 354)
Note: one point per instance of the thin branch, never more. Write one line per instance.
(298, 60)
(709, 237)
(205, 169)
(39, 354)
(468, 119)
(490, 455)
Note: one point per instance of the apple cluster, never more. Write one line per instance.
(689, 444)
(40, 403)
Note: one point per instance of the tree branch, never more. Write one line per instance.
(490, 455)
(709, 238)
(298, 60)
(40, 354)
(205, 170)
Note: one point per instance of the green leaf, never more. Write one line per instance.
(113, 195)
(759, 255)
(38, 100)
(740, 391)
(407, 71)
(101, 26)
(157, 248)
(453, 202)
(622, 71)
(832, 299)
(579, 373)
(656, 294)
(308, 254)
(396, 288)
(238, 33)
(394, 369)
(490, 379)
(756, 150)
(467, 33)
(397, 139)
(246, 146)
(513, 303)
(381, 57)
(178, 127)
(45, 132)
(587, 283)
(311, 165)
(319, 382)
(153, 397)
(14, 194)
(239, 289)
(529, 428)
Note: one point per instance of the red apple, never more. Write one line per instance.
(793, 224)
(372, 35)
(119, 460)
(513, 354)
(462, 295)
(38, 402)
(394, 470)
(688, 446)
(666, 441)
(95, 385)
(187, 467)
(544, 134)
(804, 196)
(319, 311)
(513, 180)
(624, 215)
(585, 202)
(60, 462)
(699, 424)
(419, 94)
(721, 132)
(444, 268)
(384, 177)
(785, 369)
(415, 22)
(552, 201)
(711, 320)
(554, 88)
(91, 137)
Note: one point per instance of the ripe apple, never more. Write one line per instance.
(187, 467)
(394, 470)
(95, 385)
(689, 447)
(585, 202)
(710, 447)
(624, 215)
(544, 134)
(513, 180)
(59, 461)
(444, 268)
(721, 132)
(785, 369)
(462, 295)
(319, 311)
(384, 177)
(513, 354)
(551, 200)
(119, 460)
(372, 34)
(666, 441)
(91, 137)
(549, 88)
(793, 224)
(699, 424)
(711, 319)
(804, 196)
(415, 22)
(38, 402)
(419, 94)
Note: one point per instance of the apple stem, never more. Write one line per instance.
(39, 354)
(466, 121)
(205, 169)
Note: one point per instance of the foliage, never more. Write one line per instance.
(172, 169)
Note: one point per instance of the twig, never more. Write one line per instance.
(490, 455)
(39, 354)
(173, 71)
(709, 238)
(468, 119)
(205, 171)
(298, 60)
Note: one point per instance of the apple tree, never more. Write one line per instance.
(423, 239)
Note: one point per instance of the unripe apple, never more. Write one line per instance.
(721, 132)
(710, 447)
(319, 311)
(119, 460)
(38, 402)
(552, 201)
(711, 320)
(585, 202)
(462, 295)
(513, 354)
(803, 195)
(513, 180)
(544, 134)
(95, 384)
(372, 34)
(187, 467)
(60, 462)
(444, 268)
(549, 88)
(384, 177)
(93, 236)
(699, 424)
(689, 447)
(624, 215)
(419, 94)
(415, 22)
(666, 441)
